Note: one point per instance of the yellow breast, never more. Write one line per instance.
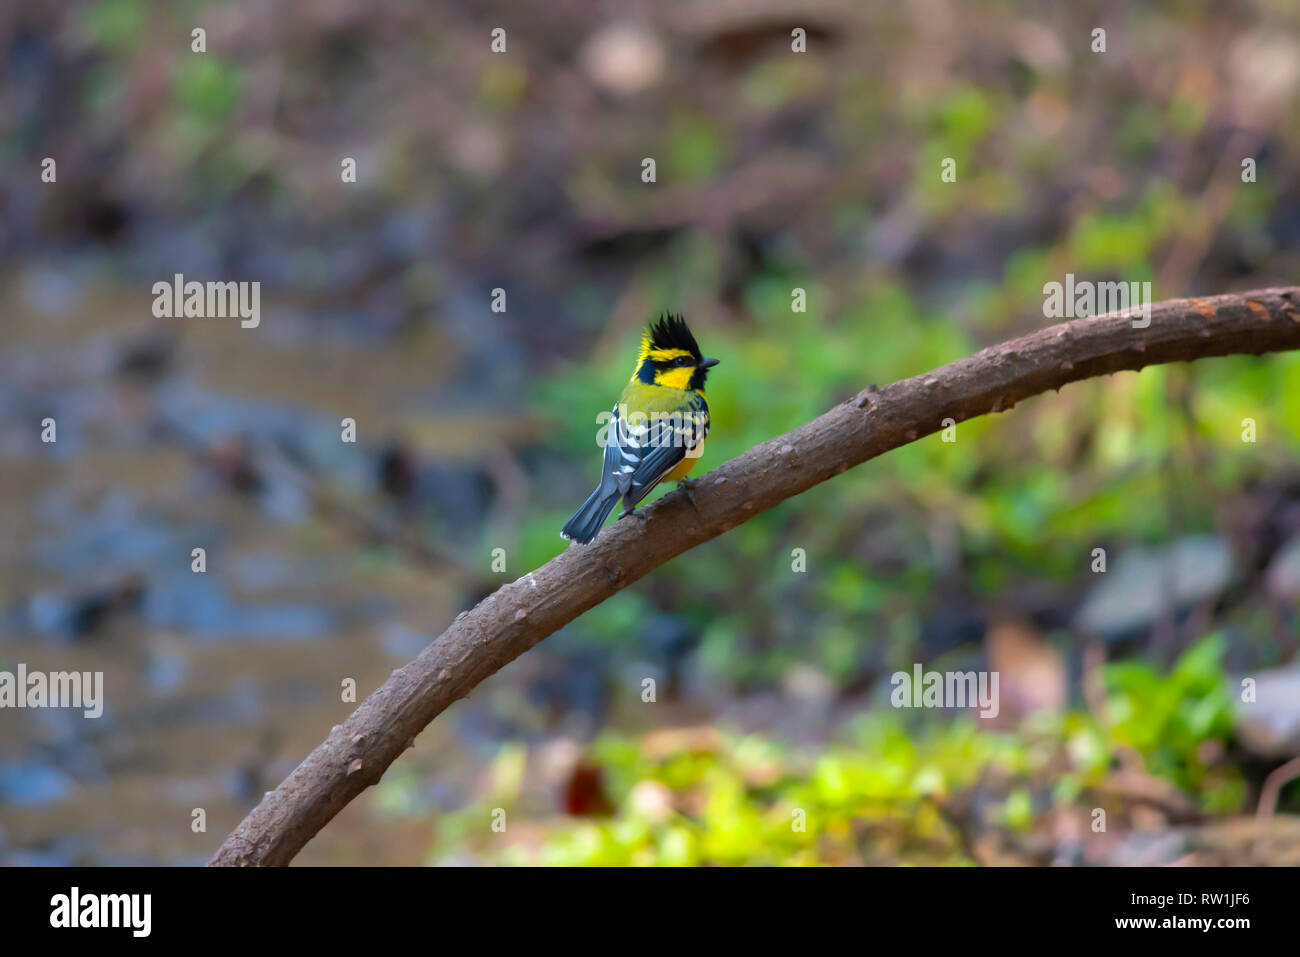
(685, 465)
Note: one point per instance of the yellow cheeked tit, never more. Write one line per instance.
(658, 427)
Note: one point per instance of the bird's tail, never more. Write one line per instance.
(587, 520)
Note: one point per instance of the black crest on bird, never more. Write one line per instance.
(671, 332)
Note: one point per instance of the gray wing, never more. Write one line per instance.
(639, 453)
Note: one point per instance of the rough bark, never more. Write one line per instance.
(519, 615)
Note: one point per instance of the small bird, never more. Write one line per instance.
(658, 427)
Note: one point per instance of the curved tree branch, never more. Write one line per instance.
(519, 615)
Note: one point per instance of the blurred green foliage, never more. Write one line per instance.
(885, 792)
(1169, 718)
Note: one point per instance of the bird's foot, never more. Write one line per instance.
(639, 516)
(687, 486)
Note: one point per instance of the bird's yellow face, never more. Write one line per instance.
(668, 364)
(673, 368)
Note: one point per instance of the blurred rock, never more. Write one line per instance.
(1283, 575)
(1144, 585)
(1270, 726)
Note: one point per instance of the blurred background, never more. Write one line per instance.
(521, 171)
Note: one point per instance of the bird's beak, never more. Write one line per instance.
(708, 363)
